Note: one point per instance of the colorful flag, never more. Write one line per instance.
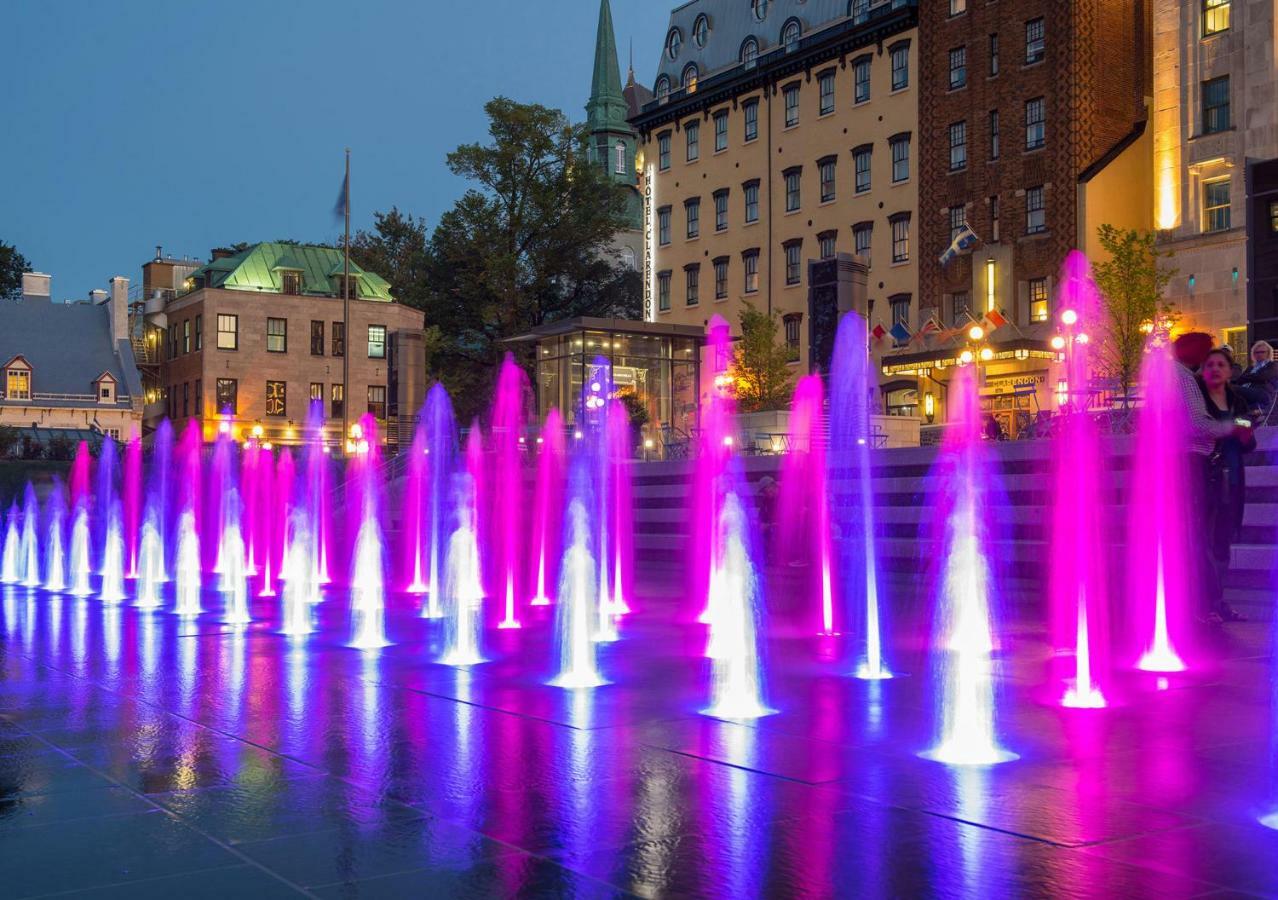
(879, 333)
(339, 210)
(993, 320)
(964, 239)
(927, 328)
(900, 333)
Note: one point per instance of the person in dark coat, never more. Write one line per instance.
(1258, 383)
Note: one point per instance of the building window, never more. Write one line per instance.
(958, 218)
(377, 401)
(721, 278)
(692, 211)
(958, 146)
(826, 243)
(793, 251)
(317, 338)
(749, 53)
(1035, 45)
(900, 306)
(663, 151)
(960, 308)
(826, 84)
(861, 157)
(692, 132)
(751, 117)
(900, 238)
(751, 191)
(791, 323)
(1216, 105)
(291, 282)
(861, 235)
(994, 218)
(1215, 16)
(793, 183)
(1035, 217)
(861, 81)
(1035, 130)
(663, 291)
(701, 30)
(227, 397)
(173, 345)
(1038, 300)
(900, 68)
(958, 6)
(760, 8)
(958, 68)
(186, 335)
(692, 284)
(345, 284)
(336, 401)
(663, 88)
(277, 335)
(1216, 205)
(339, 338)
(993, 134)
(900, 158)
(720, 131)
(721, 210)
(674, 40)
(993, 55)
(826, 169)
(663, 226)
(186, 398)
(276, 391)
(199, 332)
(790, 35)
(791, 105)
(376, 341)
(688, 81)
(228, 332)
(1273, 216)
(317, 398)
(750, 266)
(18, 384)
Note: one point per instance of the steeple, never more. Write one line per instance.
(606, 110)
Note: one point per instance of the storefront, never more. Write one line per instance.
(654, 368)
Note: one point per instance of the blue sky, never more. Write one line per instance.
(192, 125)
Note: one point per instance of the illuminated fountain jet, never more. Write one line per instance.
(150, 563)
(463, 583)
(80, 566)
(55, 578)
(300, 577)
(576, 612)
(30, 543)
(186, 567)
(112, 569)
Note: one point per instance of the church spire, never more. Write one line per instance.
(606, 110)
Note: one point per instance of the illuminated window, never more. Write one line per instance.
(958, 68)
(750, 266)
(228, 332)
(18, 384)
(958, 6)
(336, 400)
(226, 396)
(1038, 306)
(1035, 127)
(377, 401)
(1216, 105)
(958, 146)
(1215, 16)
(1035, 213)
(688, 81)
(861, 80)
(186, 335)
(793, 256)
(276, 391)
(277, 335)
(376, 341)
(1216, 205)
(1035, 44)
(317, 397)
(791, 105)
(1273, 216)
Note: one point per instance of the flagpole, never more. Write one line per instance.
(346, 310)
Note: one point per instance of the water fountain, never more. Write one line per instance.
(55, 579)
(131, 503)
(412, 521)
(156, 507)
(621, 514)
(964, 636)
(300, 577)
(10, 560)
(150, 562)
(79, 563)
(186, 567)
(367, 584)
(852, 387)
(509, 418)
(1078, 579)
(715, 446)
(463, 583)
(232, 560)
(1160, 568)
(112, 569)
(264, 520)
(315, 500)
(548, 505)
(440, 448)
(803, 502)
(735, 632)
(578, 601)
(29, 549)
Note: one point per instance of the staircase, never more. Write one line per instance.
(905, 513)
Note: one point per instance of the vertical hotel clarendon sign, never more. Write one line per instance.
(649, 282)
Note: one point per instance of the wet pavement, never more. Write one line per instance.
(142, 756)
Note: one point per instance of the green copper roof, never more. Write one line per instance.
(606, 110)
(262, 266)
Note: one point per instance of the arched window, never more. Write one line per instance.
(619, 154)
(790, 35)
(749, 52)
(663, 87)
(628, 258)
(701, 30)
(760, 8)
(689, 80)
(674, 40)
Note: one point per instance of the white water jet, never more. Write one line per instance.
(463, 585)
(577, 605)
(737, 675)
(30, 550)
(12, 543)
(368, 591)
(55, 580)
(150, 564)
(187, 567)
(301, 581)
(112, 571)
(80, 567)
(233, 577)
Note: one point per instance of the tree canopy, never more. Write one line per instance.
(761, 373)
(1132, 282)
(12, 265)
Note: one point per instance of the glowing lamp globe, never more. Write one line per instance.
(966, 357)
(1069, 317)
(1058, 343)
(976, 332)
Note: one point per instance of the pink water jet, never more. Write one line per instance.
(803, 507)
(131, 501)
(548, 497)
(620, 507)
(413, 533)
(715, 450)
(509, 418)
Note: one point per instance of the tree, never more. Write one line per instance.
(527, 245)
(1131, 283)
(761, 373)
(12, 265)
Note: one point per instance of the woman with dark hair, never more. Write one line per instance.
(1226, 485)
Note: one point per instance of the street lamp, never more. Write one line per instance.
(929, 407)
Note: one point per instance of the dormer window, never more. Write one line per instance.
(291, 282)
(105, 388)
(17, 381)
(353, 281)
(620, 158)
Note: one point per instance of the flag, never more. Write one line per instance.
(339, 210)
(900, 333)
(927, 328)
(879, 333)
(964, 239)
(993, 320)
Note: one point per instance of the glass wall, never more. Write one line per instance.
(655, 375)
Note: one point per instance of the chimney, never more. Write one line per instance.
(119, 308)
(221, 252)
(98, 297)
(37, 285)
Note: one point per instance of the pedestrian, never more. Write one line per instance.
(1258, 383)
(1203, 431)
(1226, 482)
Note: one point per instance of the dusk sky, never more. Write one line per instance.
(194, 125)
